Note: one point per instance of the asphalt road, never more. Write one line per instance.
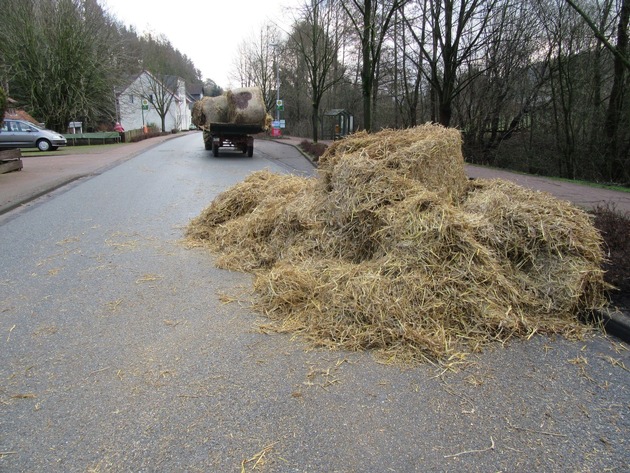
(121, 351)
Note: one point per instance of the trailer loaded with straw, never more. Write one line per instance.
(231, 119)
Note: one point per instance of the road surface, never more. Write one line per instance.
(122, 351)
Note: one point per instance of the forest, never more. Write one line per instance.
(539, 86)
(64, 60)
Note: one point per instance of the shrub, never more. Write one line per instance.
(614, 227)
(313, 149)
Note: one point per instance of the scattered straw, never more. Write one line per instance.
(491, 447)
(393, 249)
(24, 396)
(258, 459)
(148, 278)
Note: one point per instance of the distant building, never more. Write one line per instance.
(138, 103)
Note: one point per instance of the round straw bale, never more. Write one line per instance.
(246, 106)
(210, 110)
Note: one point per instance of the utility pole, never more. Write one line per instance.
(275, 49)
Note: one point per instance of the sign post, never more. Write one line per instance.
(278, 124)
(145, 106)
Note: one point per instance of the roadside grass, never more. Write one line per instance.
(599, 185)
(66, 150)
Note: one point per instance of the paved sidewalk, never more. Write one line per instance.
(584, 196)
(43, 174)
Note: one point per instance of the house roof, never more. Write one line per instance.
(16, 114)
(168, 81)
(195, 89)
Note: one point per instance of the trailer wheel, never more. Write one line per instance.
(250, 151)
(215, 150)
(207, 145)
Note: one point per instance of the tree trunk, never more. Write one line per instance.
(366, 70)
(315, 118)
(617, 173)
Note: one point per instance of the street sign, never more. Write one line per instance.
(145, 104)
(283, 124)
(276, 123)
(279, 105)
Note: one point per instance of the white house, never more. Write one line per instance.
(139, 104)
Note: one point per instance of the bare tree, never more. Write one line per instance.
(615, 120)
(158, 90)
(456, 29)
(256, 64)
(411, 60)
(505, 84)
(371, 20)
(316, 44)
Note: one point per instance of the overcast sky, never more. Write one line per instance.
(207, 31)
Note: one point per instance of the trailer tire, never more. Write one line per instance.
(250, 151)
(215, 150)
(207, 145)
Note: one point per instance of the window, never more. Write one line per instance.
(131, 99)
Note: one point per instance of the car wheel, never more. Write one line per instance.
(43, 145)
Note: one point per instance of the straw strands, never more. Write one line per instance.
(393, 249)
(246, 106)
(210, 110)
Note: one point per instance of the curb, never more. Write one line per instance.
(36, 195)
(309, 158)
(616, 323)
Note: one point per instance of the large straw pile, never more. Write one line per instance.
(393, 249)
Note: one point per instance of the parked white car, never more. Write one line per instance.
(22, 134)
